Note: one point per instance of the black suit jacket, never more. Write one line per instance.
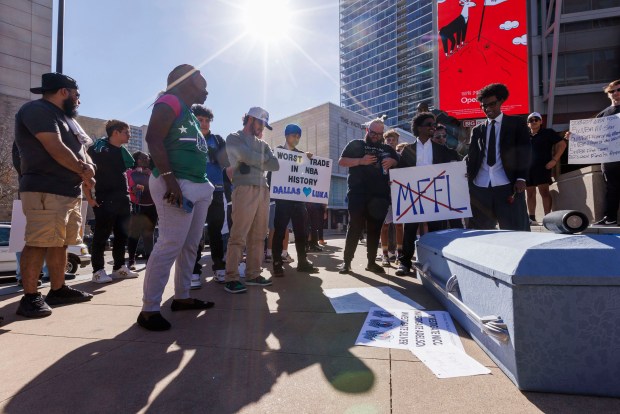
(441, 154)
(514, 149)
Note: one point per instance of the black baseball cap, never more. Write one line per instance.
(53, 81)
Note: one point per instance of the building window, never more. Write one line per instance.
(592, 66)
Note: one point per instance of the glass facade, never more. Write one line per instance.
(135, 142)
(386, 58)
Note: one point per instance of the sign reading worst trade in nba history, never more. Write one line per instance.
(482, 42)
(301, 178)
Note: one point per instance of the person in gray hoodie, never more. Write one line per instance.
(250, 158)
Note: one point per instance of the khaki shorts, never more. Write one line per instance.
(51, 220)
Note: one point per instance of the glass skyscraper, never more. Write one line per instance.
(386, 58)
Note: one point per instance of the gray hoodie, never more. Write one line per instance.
(255, 153)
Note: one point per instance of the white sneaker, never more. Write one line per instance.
(100, 276)
(287, 258)
(123, 272)
(220, 276)
(196, 282)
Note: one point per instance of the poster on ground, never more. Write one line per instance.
(594, 140)
(361, 300)
(430, 193)
(301, 178)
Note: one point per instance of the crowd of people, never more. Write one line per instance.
(193, 176)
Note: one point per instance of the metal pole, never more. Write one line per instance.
(60, 37)
(481, 21)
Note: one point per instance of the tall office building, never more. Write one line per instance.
(386, 57)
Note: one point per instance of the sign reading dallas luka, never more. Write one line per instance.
(301, 178)
(430, 193)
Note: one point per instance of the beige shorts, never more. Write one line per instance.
(51, 220)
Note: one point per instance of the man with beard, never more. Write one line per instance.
(54, 166)
(368, 191)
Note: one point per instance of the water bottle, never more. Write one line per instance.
(383, 156)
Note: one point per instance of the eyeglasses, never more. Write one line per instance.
(489, 105)
(375, 133)
(531, 120)
(613, 90)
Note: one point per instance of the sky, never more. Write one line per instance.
(281, 55)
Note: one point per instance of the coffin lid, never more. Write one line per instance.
(525, 258)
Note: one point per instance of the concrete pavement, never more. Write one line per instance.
(281, 349)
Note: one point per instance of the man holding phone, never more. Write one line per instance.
(181, 193)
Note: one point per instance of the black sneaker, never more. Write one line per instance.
(306, 267)
(375, 268)
(278, 271)
(258, 281)
(66, 295)
(344, 268)
(314, 249)
(605, 221)
(33, 306)
(155, 322)
(178, 305)
(402, 270)
(235, 287)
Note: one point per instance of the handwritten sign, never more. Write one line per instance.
(301, 178)
(594, 140)
(430, 193)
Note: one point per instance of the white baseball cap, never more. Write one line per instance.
(261, 115)
(534, 115)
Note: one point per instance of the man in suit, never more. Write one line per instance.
(497, 165)
(422, 152)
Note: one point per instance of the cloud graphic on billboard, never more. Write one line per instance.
(521, 40)
(508, 25)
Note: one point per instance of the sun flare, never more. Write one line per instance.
(268, 21)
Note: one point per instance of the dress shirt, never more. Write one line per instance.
(424, 153)
(492, 176)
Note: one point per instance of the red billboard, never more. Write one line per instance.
(482, 42)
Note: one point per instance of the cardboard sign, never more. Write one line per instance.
(301, 178)
(430, 193)
(594, 140)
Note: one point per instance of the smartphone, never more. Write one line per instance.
(187, 205)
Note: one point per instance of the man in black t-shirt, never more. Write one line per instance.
(368, 191)
(111, 203)
(53, 167)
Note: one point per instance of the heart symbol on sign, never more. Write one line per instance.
(307, 191)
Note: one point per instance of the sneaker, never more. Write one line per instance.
(123, 272)
(278, 271)
(533, 222)
(258, 281)
(196, 283)
(235, 287)
(220, 276)
(195, 304)
(287, 258)
(155, 322)
(344, 268)
(306, 267)
(100, 276)
(402, 270)
(606, 222)
(33, 306)
(322, 242)
(393, 257)
(268, 258)
(314, 248)
(385, 262)
(66, 295)
(131, 264)
(375, 268)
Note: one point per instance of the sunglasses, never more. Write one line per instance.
(529, 121)
(613, 90)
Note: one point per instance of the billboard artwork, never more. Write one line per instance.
(482, 42)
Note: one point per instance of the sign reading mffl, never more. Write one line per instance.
(301, 178)
(430, 193)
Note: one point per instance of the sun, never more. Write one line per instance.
(268, 21)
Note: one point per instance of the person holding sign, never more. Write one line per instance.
(294, 211)
(368, 191)
(498, 162)
(424, 151)
(611, 170)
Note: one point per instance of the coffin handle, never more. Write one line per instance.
(491, 325)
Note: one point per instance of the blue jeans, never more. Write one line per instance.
(18, 275)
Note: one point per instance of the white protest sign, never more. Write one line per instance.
(430, 193)
(450, 364)
(409, 328)
(361, 300)
(18, 226)
(594, 140)
(301, 178)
